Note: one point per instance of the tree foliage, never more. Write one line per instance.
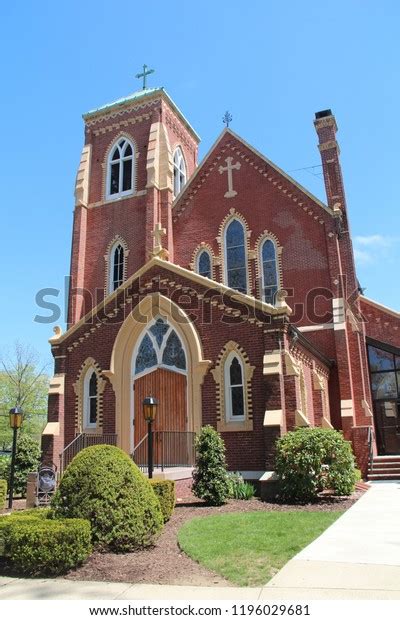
(23, 383)
(210, 478)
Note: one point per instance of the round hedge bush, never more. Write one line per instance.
(165, 491)
(103, 485)
(48, 547)
(310, 460)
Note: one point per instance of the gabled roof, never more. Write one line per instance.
(247, 300)
(264, 159)
(379, 306)
(139, 96)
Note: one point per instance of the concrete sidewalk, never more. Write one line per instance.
(358, 557)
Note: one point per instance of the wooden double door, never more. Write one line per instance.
(170, 425)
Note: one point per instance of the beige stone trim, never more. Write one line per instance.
(274, 417)
(272, 363)
(292, 365)
(346, 408)
(326, 423)
(318, 380)
(301, 419)
(218, 372)
(366, 408)
(120, 371)
(88, 364)
(326, 121)
(159, 163)
(339, 313)
(52, 428)
(57, 384)
(82, 177)
(326, 146)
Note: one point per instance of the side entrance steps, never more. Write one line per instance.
(385, 468)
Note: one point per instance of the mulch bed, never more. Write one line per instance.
(165, 563)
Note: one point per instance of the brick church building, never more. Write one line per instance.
(222, 288)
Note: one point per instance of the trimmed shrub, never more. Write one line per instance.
(27, 459)
(3, 493)
(311, 460)
(210, 478)
(102, 484)
(165, 491)
(48, 547)
(7, 521)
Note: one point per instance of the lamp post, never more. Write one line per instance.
(150, 405)
(16, 416)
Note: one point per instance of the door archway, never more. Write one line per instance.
(120, 371)
(159, 369)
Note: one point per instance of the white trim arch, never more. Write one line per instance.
(120, 172)
(237, 385)
(90, 399)
(109, 260)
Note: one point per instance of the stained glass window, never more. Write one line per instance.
(380, 359)
(236, 256)
(159, 329)
(146, 357)
(174, 354)
(235, 387)
(204, 264)
(269, 272)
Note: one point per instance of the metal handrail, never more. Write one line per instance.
(81, 441)
(371, 436)
(170, 449)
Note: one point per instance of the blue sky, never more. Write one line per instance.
(273, 65)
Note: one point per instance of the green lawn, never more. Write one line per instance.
(249, 548)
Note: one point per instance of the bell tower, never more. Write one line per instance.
(124, 191)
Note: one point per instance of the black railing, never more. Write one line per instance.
(170, 449)
(371, 438)
(81, 441)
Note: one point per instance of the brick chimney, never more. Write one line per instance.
(326, 127)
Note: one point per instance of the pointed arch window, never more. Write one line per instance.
(269, 271)
(160, 347)
(90, 394)
(120, 178)
(179, 171)
(235, 256)
(204, 266)
(234, 389)
(116, 262)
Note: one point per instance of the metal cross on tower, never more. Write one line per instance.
(228, 168)
(227, 118)
(146, 72)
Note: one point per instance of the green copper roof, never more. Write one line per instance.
(137, 95)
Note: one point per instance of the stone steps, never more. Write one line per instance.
(385, 468)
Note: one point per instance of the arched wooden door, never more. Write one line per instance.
(160, 371)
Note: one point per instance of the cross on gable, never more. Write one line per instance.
(228, 168)
(146, 72)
